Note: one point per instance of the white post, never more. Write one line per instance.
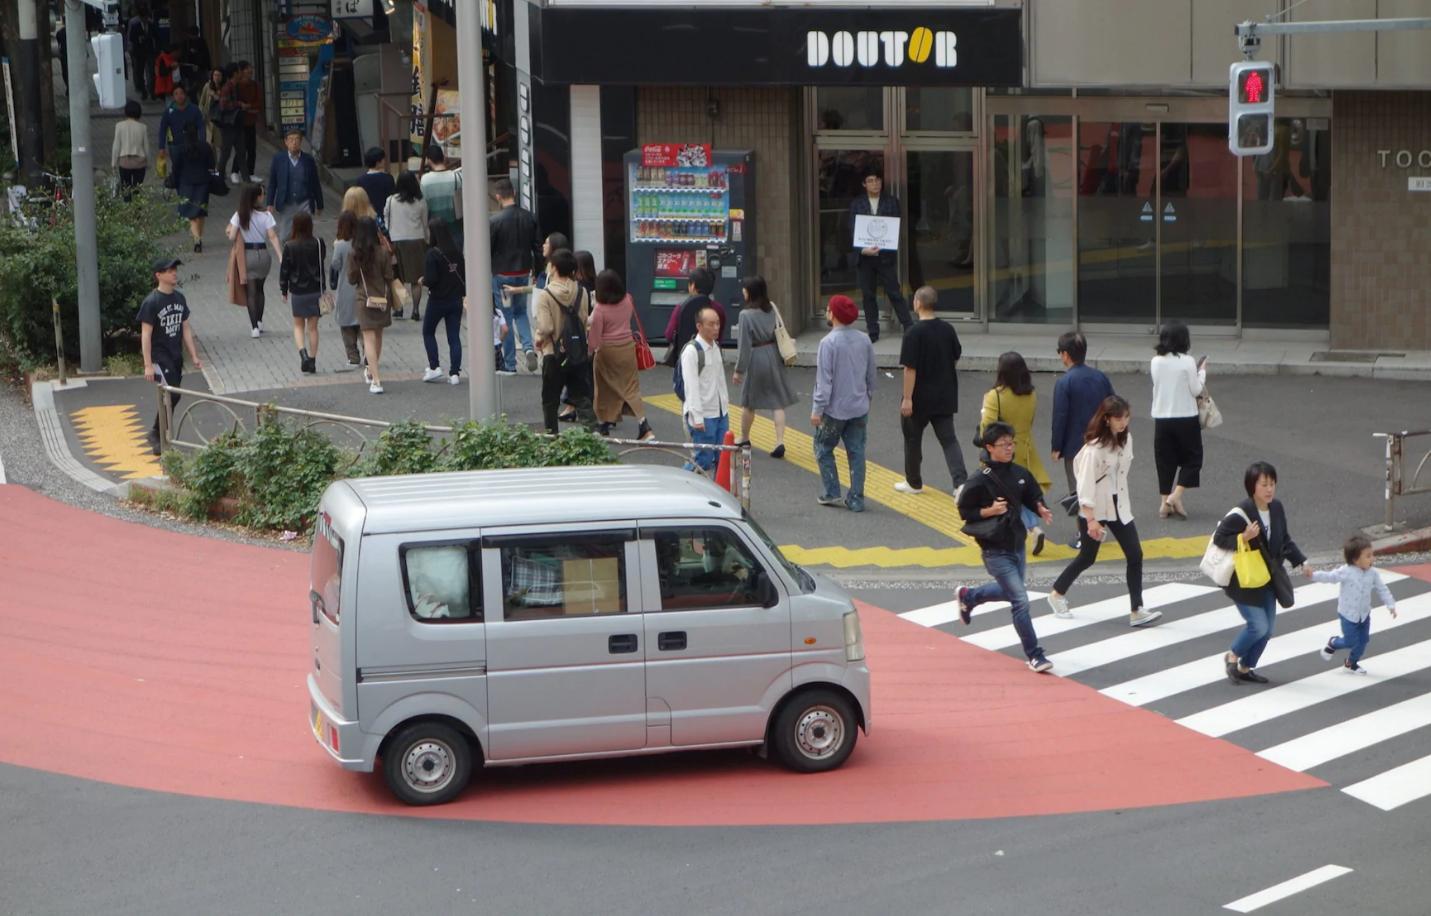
(82, 171)
(481, 365)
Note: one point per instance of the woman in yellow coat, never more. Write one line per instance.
(1014, 400)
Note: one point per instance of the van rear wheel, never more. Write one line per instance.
(427, 763)
(815, 731)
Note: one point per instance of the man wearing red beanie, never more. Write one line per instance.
(844, 381)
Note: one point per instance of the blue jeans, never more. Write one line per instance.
(829, 435)
(515, 311)
(1253, 639)
(449, 312)
(1007, 567)
(712, 434)
(1355, 636)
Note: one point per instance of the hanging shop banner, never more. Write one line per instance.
(351, 9)
(447, 123)
(881, 46)
(676, 154)
(308, 30)
(420, 51)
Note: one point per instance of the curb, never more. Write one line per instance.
(1417, 540)
(52, 434)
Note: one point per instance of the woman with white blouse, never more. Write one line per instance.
(1178, 380)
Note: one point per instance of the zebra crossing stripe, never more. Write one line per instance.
(1209, 669)
(1005, 636)
(1395, 787)
(1275, 702)
(1357, 734)
(1170, 632)
(936, 615)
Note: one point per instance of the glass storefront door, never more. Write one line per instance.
(1117, 222)
(939, 212)
(1198, 222)
(839, 176)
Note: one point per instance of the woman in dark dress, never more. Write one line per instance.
(192, 168)
(300, 279)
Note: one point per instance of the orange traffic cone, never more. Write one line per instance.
(723, 463)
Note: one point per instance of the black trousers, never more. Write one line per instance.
(1177, 451)
(913, 429)
(129, 179)
(576, 379)
(1127, 536)
(872, 269)
(250, 149)
(235, 142)
(173, 377)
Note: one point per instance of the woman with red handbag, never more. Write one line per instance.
(618, 356)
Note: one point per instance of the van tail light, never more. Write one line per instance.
(854, 638)
(333, 738)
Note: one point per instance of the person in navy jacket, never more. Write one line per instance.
(293, 183)
(1076, 396)
(876, 264)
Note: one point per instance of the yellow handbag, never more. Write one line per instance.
(1250, 567)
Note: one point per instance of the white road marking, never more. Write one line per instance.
(1343, 738)
(1209, 670)
(1167, 632)
(1395, 787)
(1098, 612)
(1285, 699)
(948, 611)
(1287, 888)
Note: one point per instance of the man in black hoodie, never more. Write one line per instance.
(997, 491)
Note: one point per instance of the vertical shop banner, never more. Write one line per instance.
(447, 123)
(419, 71)
(319, 84)
(297, 77)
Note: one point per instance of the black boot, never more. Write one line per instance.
(604, 429)
(644, 431)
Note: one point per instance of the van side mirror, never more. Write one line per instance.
(765, 591)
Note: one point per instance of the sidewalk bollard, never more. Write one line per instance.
(59, 339)
(723, 463)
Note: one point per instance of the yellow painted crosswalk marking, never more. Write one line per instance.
(116, 439)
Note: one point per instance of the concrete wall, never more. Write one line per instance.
(761, 119)
(1381, 232)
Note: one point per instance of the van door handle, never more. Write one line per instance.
(674, 640)
(621, 643)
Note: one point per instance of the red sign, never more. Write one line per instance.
(671, 262)
(676, 154)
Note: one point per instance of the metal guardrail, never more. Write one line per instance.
(173, 425)
(1397, 483)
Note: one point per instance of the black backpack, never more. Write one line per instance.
(571, 337)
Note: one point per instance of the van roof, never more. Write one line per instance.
(533, 496)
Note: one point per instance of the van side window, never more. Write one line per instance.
(704, 568)
(564, 575)
(439, 584)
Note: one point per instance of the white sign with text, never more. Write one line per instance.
(880, 232)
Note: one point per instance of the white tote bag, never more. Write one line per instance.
(1217, 563)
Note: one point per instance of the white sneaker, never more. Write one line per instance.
(367, 375)
(958, 491)
(506, 372)
(1059, 603)
(431, 375)
(254, 333)
(375, 388)
(1140, 617)
(255, 178)
(235, 178)
(902, 486)
(454, 379)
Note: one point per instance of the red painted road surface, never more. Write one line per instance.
(162, 661)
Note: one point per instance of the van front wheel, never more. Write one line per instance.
(815, 731)
(427, 763)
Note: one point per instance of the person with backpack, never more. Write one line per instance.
(681, 328)
(701, 387)
(560, 311)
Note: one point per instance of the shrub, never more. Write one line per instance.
(403, 448)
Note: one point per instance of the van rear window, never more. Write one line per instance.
(325, 570)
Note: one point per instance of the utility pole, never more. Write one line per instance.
(82, 171)
(25, 79)
(1249, 34)
(477, 233)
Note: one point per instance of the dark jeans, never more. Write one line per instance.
(1261, 618)
(174, 378)
(1355, 636)
(235, 145)
(129, 179)
(449, 312)
(250, 149)
(886, 272)
(913, 428)
(1127, 536)
(555, 377)
(1008, 568)
(830, 434)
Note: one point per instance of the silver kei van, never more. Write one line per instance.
(509, 617)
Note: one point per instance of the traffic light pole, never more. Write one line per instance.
(1249, 34)
(481, 363)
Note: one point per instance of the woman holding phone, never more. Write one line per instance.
(1177, 435)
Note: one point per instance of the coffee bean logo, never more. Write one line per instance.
(920, 44)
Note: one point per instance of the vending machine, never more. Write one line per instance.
(688, 206)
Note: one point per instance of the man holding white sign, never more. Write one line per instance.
(875, 218)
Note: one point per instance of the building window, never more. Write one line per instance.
(1032, 173)
(849, 108)
(943, 110)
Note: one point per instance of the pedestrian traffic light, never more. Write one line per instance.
(1250, 107)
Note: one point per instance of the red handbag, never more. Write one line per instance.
(645, 359)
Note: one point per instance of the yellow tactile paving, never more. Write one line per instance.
(115, 438)
(933, 508)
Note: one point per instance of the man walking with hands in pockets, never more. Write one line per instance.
(929, 355)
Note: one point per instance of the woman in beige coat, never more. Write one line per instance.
(1101, 471)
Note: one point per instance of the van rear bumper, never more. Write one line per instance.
(336, 735)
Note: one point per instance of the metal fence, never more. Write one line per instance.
(181, 428)
(1398, 483)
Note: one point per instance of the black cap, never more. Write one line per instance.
(163, 264)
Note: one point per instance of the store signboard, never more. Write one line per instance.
(900, 45)
(352, 9)
(308, 30)
(1418, 183)
(676, 154)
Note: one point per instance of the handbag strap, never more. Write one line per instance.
(636, 313)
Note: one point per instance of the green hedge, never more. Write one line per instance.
(278, 473)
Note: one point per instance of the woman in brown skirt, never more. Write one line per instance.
(370, 271)
(618, 387)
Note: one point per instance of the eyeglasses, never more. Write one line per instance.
(1003, 444)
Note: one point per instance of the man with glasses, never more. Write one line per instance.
(996, 492)
(163, 324)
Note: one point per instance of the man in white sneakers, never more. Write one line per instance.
(930, 358)
(707, 401)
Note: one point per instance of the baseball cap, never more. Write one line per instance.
(163, 264)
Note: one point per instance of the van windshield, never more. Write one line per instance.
(325, 570)
(801, 577)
